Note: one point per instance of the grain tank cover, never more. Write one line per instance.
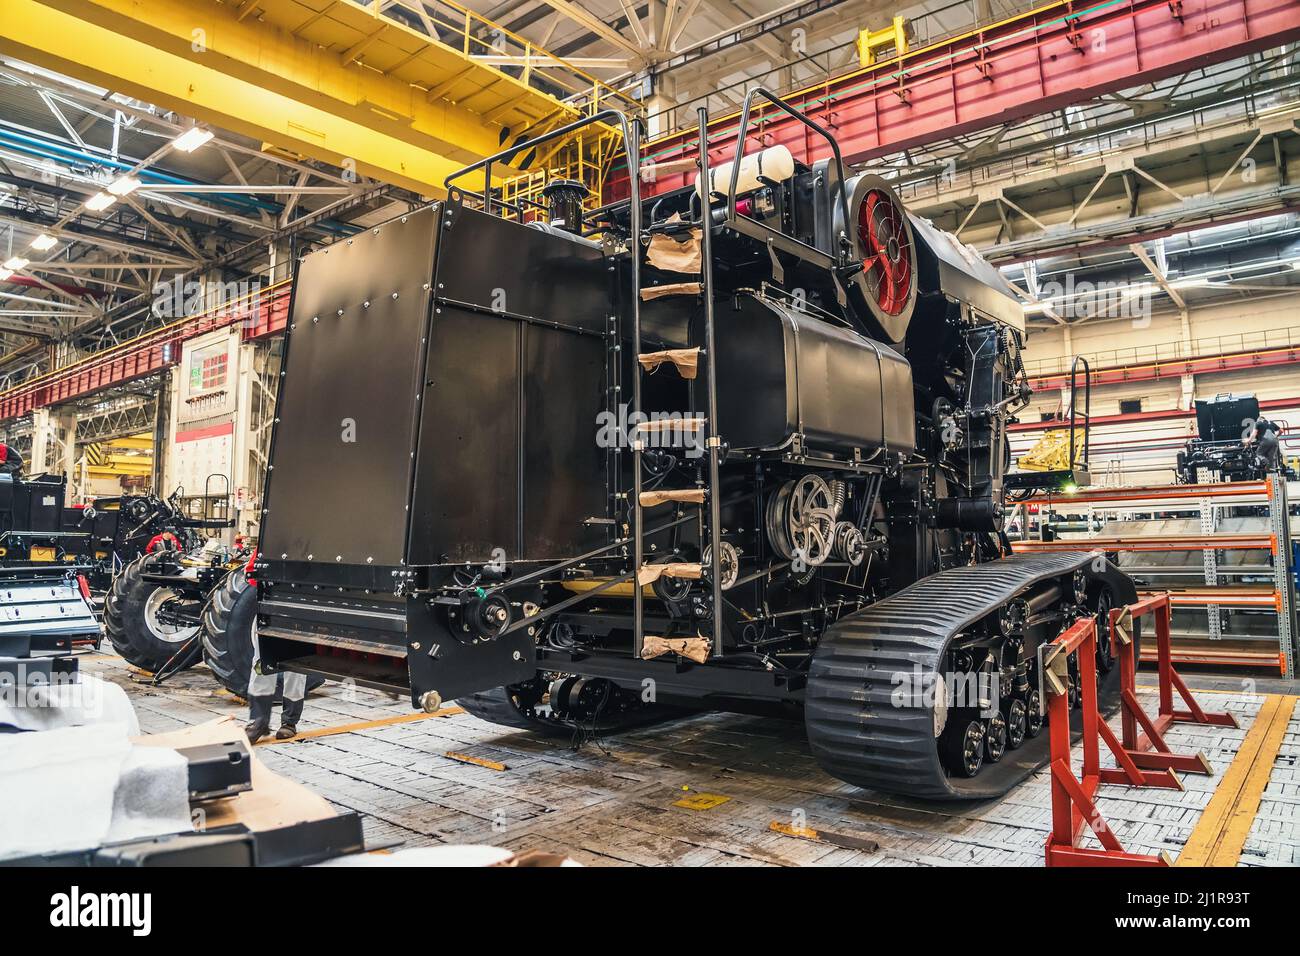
(949, 267)
(783, 373)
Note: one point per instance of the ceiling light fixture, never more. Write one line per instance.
(124, 185)
(191, 139)
(44, 242)
(16, 263)
(100, 201)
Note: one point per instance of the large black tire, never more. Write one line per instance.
(227, 633)
(131, 620)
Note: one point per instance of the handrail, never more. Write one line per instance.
(1159, 352)
(629, 147)
(1074, 407)
(461, 28)
(742, 131)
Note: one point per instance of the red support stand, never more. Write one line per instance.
(1148, 748)
(1143, 759)
(1073, 797)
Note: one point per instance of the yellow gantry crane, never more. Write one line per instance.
(342, 81)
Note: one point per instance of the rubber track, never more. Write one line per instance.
(856, 730)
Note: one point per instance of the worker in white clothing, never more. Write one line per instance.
(262, 690)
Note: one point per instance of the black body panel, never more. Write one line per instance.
(349, 404)
(782, 372)
(514, 384)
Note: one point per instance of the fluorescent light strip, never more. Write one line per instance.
(191, 139)
(123, 186)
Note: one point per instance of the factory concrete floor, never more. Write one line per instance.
(724, 790)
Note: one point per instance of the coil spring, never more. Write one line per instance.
(839, 490)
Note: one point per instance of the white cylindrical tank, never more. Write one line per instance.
(774, 164)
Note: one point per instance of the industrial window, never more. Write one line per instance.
(1130, 406)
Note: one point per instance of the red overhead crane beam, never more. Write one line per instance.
(262, 314)
(1176, 368)
(1050, 57)
(1168, 414)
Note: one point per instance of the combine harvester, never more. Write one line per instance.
(740, 448)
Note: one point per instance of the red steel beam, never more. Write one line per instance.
(1142, 493)
(1226, 362)
(1171, 542)
(262, 314)
(1050, 57)
(1170, 414)
(272, 318)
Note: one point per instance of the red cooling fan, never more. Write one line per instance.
(886, 245)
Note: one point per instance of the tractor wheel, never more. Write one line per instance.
(229, 617)
(134, 618)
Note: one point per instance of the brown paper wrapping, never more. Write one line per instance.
(673, 255)
(686, 360)
(693, 648)
(651, 573)
(675, 288)
(652, 499)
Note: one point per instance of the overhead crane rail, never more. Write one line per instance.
(261, 313)
(1052, 56)
(1176, 368)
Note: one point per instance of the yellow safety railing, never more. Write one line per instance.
(585, 158)
(492, 45)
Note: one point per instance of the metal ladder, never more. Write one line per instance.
(703, 424)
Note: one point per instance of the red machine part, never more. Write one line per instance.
(886, 246)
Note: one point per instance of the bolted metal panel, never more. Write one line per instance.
(514, 384)
(350, 401)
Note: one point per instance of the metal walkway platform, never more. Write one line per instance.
(724, 790)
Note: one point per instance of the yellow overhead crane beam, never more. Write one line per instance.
(335, 80)
(126, 456)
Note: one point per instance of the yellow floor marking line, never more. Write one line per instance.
(477, 761)
(1220, 833)
(364, 725)
(701, 801)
